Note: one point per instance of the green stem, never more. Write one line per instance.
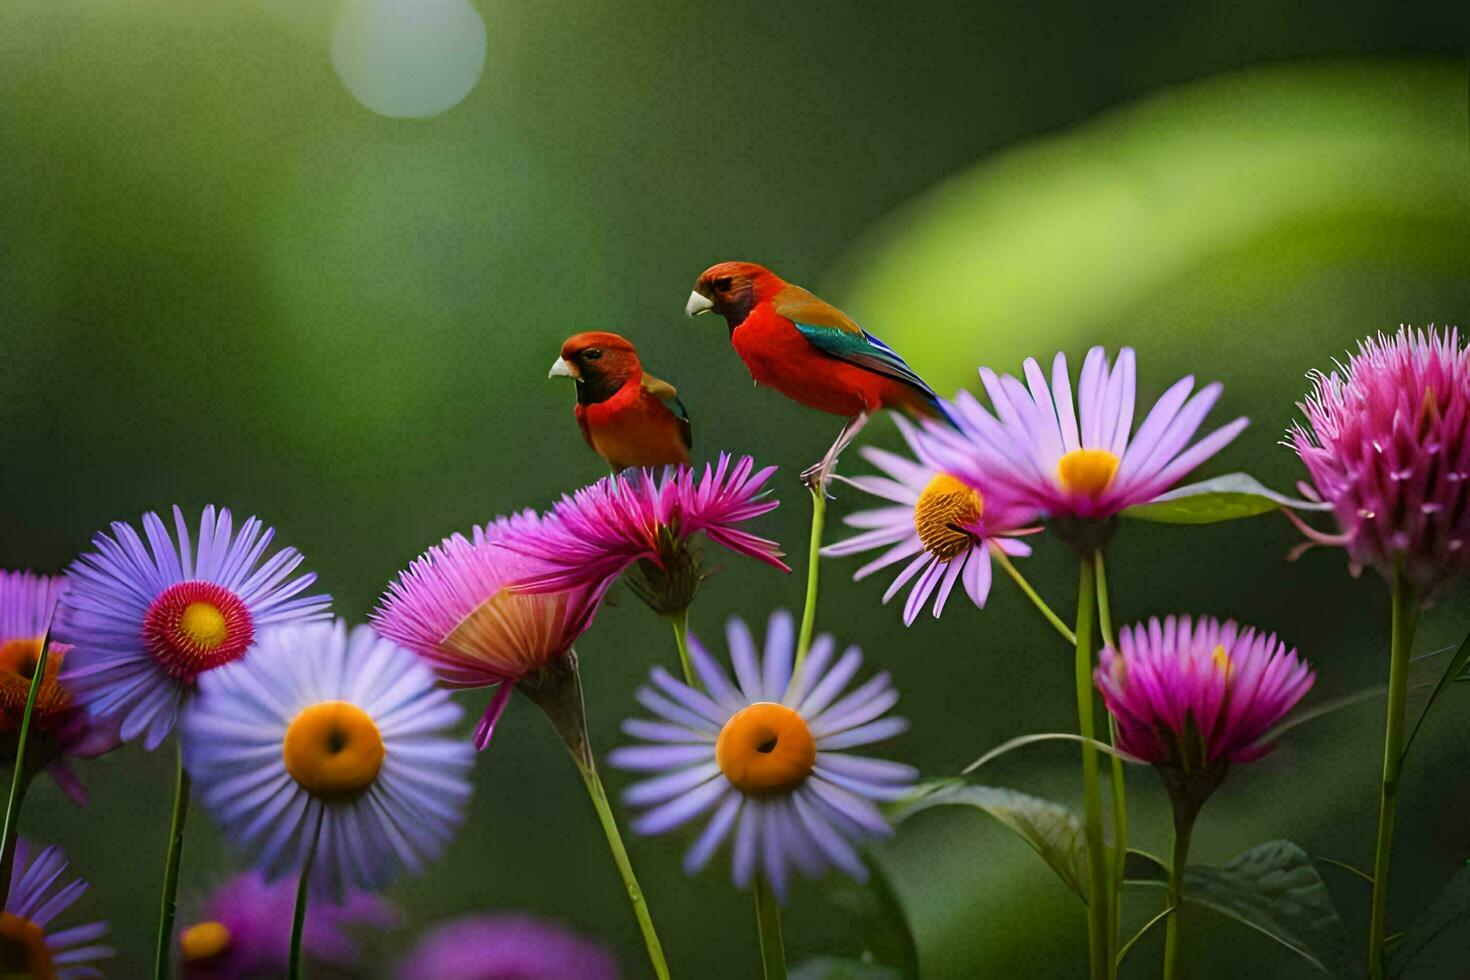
(1004, 561)
(1119, 788)
(680, 621)
(20, 778)
(1405, 617)
(298, 921)
(1097, 906)
(167, 904)
(625, 867)
(813, 567)
(1173, 950)
(768, 922)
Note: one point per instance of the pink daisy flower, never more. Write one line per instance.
(1079, 461)
(244, 929)
(1194, 697)
(459, 608)
(60, 728)
(940, 528)
(1388, 449)
(507, 945)
(639, 517)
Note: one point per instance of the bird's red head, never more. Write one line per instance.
(732, 289)
(601, 362)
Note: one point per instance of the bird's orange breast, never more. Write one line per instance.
(633, 428)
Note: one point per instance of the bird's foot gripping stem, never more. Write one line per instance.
(817, 476)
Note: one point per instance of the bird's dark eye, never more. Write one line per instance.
(721, 284)
(595, 354)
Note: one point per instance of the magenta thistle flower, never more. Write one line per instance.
(940, 528)
(506, 945)
(1192, 697)
(245, 929)
(319, 724)
(145, 621)
(767, 757)
(39, 892)
(1082, 460)
(458, 606)
(1388, 448)
(59, 726)
(598, 532)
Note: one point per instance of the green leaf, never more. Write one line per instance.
(1224, 498)
(1451, 673)
(1275, 889)
(1143, 931)
(1025, 740)
(836, 968)
(1051, 830)
(1141, 867)
(1450, 906)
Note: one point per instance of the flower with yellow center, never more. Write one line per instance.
(765, 756)
(1087, 472)
(940, 526)
(204, 941)
(40, 892)
(346, 729)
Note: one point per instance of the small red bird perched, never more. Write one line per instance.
(809, 351)
(629, 418)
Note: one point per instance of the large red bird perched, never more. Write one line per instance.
(628, 417)
(809, 351)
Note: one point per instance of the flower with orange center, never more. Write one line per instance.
(147, 620)
(939, 526)
(60, 729)
(321, 724)
(1076, 461)
(765, 755)
(39, 893)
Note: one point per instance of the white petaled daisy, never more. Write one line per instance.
(351, 728)
(765, 754)
(146, 621)
(941, 528)
(1083, 461)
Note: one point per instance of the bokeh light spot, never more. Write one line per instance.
(409, 58)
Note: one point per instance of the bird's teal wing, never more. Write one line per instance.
(832, 332)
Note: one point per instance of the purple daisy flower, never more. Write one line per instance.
(941, 529)
(245, 929)
(39, 892)
(1196, 696)
(1388, 448)
(1082, 461)
(59, 726)
(767, 757)
(348, 728)
(640, 517)
(506, 945)
(456, 606)
(143, 627)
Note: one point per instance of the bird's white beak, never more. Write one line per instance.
(698, 304)
(563, 368)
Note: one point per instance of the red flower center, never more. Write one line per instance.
(194, 627)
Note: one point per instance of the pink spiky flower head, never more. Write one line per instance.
(1191, 697)
(459, 607)
(1080, 463)
(60, 727)
(1388, 448)
(649, 520)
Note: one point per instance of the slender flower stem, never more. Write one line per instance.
(1119, 787)
(1173, 950)
(680, 621)
(1098, 901)
(1004, 561)
(298, 921)
(625, 867)
(813, 567)
(1405, 618)
(20, 778)
(167, 904)
(768, 922)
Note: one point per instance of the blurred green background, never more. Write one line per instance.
(224, 279)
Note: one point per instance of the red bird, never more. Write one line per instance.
(629, 418)
(809, 351)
